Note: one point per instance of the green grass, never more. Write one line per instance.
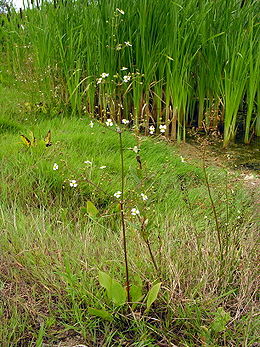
(51, 250)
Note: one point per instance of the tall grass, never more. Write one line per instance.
(189, 63)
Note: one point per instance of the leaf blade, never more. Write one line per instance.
(91, 209)
(153, 294)
(100, 313)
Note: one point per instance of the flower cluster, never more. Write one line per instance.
(126, 78)
(135, 149)
(103, 76)
(151, 129)
(73, 183)
(109, 122)
(162, 128)
(135, 212)
(144, 197)
(118, 194)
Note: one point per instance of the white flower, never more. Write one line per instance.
(118, 194)
(162, 128)
(151, 129)
(73, 183)
(120, 11)
(55, 166)
(135, 149)
(126, 78)
(109, 122)
(135, 212)
(124, 68)
(99, 80)
(125, 121)
(182, 159)
(144, 197)
(88, 162)
(127, 43)
(91, 124)
(104, 75)
(102, 167)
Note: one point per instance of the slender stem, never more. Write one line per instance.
(123, 217)
(146, 240)
(227, 216)
(213, 208)
(151, 255)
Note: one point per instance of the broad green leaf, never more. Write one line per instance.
(118, 293)
(136, 293)
(91, 209)
(105, 281)
(153, 294)
(100, 313)
(115, 291)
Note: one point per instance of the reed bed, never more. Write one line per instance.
(163, 65)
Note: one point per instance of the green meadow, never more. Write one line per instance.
(110, 236)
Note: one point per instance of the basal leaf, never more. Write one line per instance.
(153, 294)
(91, 209)
(118, 293)
(105, 281)
(115, 291)
(100, 313)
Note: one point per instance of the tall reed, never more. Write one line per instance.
(179, 63)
